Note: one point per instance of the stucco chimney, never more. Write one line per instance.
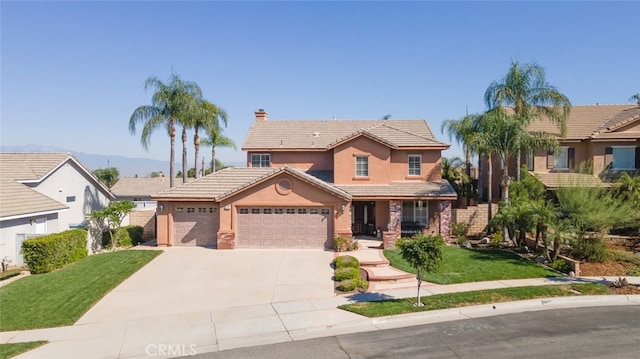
(261, 115)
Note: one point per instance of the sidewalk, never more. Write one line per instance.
(207, 328)
(223, 329)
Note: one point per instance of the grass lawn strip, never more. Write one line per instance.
(12, 349)
(60, 298)
(461, 265)
(10, 274)
(464, 299)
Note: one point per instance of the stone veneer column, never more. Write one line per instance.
(445, 219)
(395, 217)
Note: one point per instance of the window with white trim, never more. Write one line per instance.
(260, 160)
(415, 211)
(415, 162)
(561, 158)
(362, 166)
(624, 157)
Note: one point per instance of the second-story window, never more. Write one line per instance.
(260, 160)
(414, 165)
(362, 166)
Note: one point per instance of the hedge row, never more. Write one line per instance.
(48, 253)
(130, 236)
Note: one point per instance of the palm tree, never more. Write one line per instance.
(525, 88)
(636, 98)
(216, 139)
(462, 130)
(210, 116)
(170, 102)
(480, 143)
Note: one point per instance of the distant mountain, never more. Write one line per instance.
(127, 166)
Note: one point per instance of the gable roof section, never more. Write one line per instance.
(230, 181)
(31, 167)
(142, 186)
(18, 200)
(593, 122)
(325, 134)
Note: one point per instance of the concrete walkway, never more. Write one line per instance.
(216, 327)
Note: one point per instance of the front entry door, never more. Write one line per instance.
(363, 218)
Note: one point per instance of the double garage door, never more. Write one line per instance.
(195, 225)
(284, 227)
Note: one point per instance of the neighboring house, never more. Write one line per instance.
(42, 193)
(139, 190)
(310, 181)
(602, 138)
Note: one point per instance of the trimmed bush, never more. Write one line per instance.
(48, 253)
(346, 261)
(346, 273)
(349, 285)
(129, 236)
(561, 265)
(343, 244)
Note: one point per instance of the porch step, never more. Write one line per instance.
(387, 274)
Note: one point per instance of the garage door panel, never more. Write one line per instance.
(195, 225)
(295, 227)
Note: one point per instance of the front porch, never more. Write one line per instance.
(401, 218)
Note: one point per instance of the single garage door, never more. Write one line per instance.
(195, 225)
(284, 227)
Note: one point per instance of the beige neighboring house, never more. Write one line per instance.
(43, 193)
(139, 190)
(605, 138)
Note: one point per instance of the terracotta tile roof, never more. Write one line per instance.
(323, 134)
(593, 121)
(29, 166)
(427, 190)
(17, 199)
(556, 180)
(139, 187)
(229, 181)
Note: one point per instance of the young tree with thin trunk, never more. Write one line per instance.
(424, 254)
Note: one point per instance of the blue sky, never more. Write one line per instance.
(73, 72)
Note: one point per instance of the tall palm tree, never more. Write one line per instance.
(170, 102)
(216, 139)
(209, 116)
(462, 130)
(526, 89)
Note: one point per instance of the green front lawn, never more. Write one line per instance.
(13, 349)
(461, 265)
(10, 273)
(60, 298)
(463, 299)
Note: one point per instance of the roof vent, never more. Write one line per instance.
(316, 134)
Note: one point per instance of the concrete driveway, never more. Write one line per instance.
(185, 279)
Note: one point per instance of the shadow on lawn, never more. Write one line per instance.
(369, 297)
(497, 254)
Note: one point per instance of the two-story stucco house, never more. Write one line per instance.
(307, 182)
(42, 193)
(603, 139)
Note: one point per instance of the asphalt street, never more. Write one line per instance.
(593, 332)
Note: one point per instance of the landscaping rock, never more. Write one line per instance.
(572, 274)
(485, 240)
(541, 260)
(466, 244)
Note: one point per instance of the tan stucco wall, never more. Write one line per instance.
(344, 159)
(430, 170)
(382, 215)
(316, 161)
(302, 194)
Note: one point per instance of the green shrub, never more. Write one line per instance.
(460, 229)
(346, 273)
(48, 253)
(561, 265)
(349, 285)
(590, 249)
(346, 261)
(342, 244)
(129, 236)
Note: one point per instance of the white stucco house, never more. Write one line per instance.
(44, 193)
